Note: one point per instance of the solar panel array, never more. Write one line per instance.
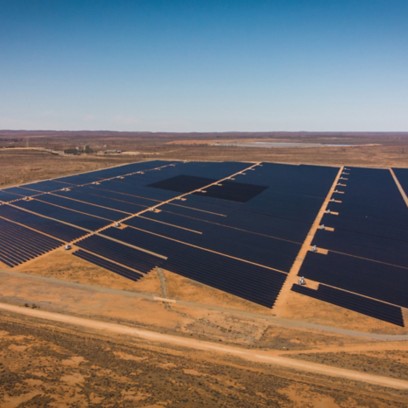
(20, 244)
(352, 301)
(402, 176)
(234, 226)
(368, 249)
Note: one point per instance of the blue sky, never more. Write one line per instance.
(209, 65)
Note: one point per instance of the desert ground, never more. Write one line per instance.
(73, 334)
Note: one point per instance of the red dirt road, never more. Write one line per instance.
(199, 345)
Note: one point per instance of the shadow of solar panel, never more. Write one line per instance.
(228, 190)
(19, 244)
(111, 266)
(377, 280)
(354, 302)
(182, 183)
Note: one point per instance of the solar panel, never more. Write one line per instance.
(89, 209)
(402, 176)
(110, 266)
(19, 244)
(373, 308)
(51, 227)
(251, 282)
(76, 218)
(122, 254)
(377, 280)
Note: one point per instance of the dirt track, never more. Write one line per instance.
(178, 341)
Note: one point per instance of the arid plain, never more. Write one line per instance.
(120, 344)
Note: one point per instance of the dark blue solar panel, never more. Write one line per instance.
(351, 301)
(6, 197)
(264, 226)
(111, 172)
(384, 249)
(402, 176)
(249, 221)
(294, 194)
(247, 281)
(182, 183)
(71, 217)
(256, 284)
(373, 279)
(372, 220)
(123, 254)
(126, 196)
(51, 227)
(19, 244)
(368, 225)
(86, 208)
(87, 195)
(111, 266)
(133, 188)
(19, 191)
(46, 186)
(181, 208)
(260, 249)
(283, 179)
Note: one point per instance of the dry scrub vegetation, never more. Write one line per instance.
(53, 366)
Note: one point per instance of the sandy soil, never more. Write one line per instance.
(254, 356)
(83, 367)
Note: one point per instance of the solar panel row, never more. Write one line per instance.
(110, 266)
(247, 281)
(368, 250)
(356, 303)
(122, 254)
(19, 191)
(75, 218)
(377, 280)
(251, 282)
(90, 209)
(97, 175)
(91, 196)
(264, 250)
(7, 197)
(51, 227)
(19, 244)
(47, 186)
(290, 202)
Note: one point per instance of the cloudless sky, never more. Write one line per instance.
(204, 65)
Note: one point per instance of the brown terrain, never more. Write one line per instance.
(74, 334)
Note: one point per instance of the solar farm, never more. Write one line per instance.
(252, 230)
